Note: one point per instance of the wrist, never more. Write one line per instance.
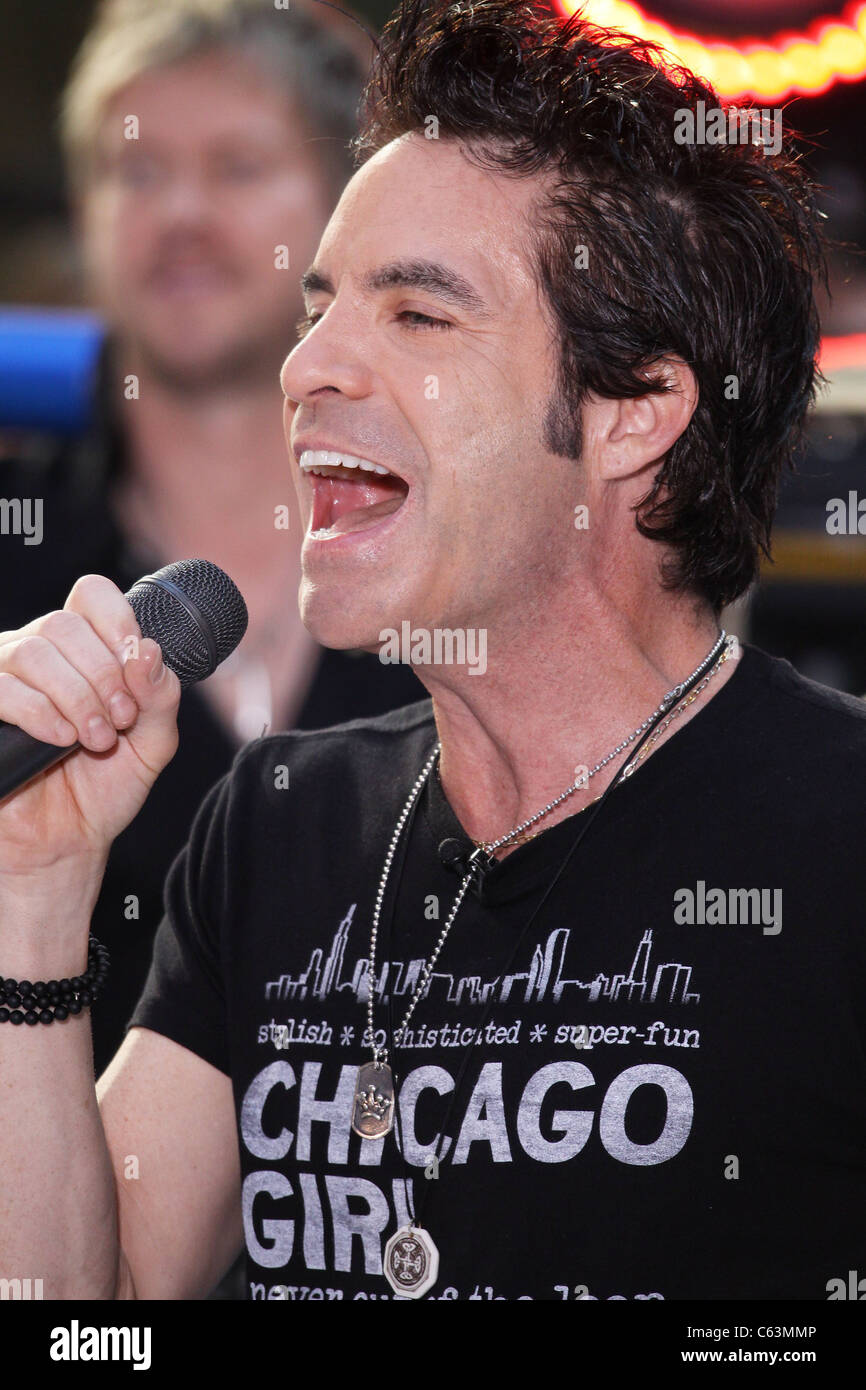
(46, 955)
(45, 923)
(57, 999)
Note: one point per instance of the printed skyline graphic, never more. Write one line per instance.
(329, 973)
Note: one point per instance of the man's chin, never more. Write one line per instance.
(202, 362)
(341, 631)
(359, 616)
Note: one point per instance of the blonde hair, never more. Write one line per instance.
(317, 52)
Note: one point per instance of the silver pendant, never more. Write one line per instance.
(411, 1262)
(373, 1108)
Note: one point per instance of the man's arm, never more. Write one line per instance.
(137, 1196)
(170, 1127)
(68, 1215)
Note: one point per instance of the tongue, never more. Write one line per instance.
(354, 504)
(351, 497)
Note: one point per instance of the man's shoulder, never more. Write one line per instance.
(351, 748)
(815, 715)
(801, 748)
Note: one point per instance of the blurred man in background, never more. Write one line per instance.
(206, 145)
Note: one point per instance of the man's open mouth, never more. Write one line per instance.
(349, 493)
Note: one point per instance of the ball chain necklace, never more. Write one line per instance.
(727, 654)
(411, 1261)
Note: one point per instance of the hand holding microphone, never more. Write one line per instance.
(89, 695)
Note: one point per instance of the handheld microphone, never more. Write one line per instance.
(197, 615)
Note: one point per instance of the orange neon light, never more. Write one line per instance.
(833, 49)
(836, 354)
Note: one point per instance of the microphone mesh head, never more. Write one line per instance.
(193, 642)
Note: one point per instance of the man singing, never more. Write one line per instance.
(549, 987)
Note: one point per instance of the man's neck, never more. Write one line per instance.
(513, 738)
(214, 461)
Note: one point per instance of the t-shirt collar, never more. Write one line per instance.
(534, 862)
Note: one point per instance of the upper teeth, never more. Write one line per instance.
(315, 460)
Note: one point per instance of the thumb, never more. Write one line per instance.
(156, 690)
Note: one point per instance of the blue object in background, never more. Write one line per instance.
(48, 362)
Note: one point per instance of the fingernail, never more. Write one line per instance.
(157, 671)
(122, 707)
(100, 731)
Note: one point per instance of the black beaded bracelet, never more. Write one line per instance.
(42, 1002)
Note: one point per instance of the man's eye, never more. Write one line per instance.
(426, 320)
(303, 325)
(138, 172)
(418, 322)
(237, 168)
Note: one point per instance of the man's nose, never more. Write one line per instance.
(334, 355)
(186, 196)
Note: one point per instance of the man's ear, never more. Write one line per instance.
(640, 431)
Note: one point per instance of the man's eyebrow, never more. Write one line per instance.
(439, 279)
(312, 280)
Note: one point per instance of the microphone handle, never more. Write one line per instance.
(22, 756)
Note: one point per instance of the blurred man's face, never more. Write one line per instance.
(182, 225)
(441, 376)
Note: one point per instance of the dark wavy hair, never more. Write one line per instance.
(709, 252)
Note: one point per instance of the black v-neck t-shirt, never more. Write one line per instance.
(658, 1091)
